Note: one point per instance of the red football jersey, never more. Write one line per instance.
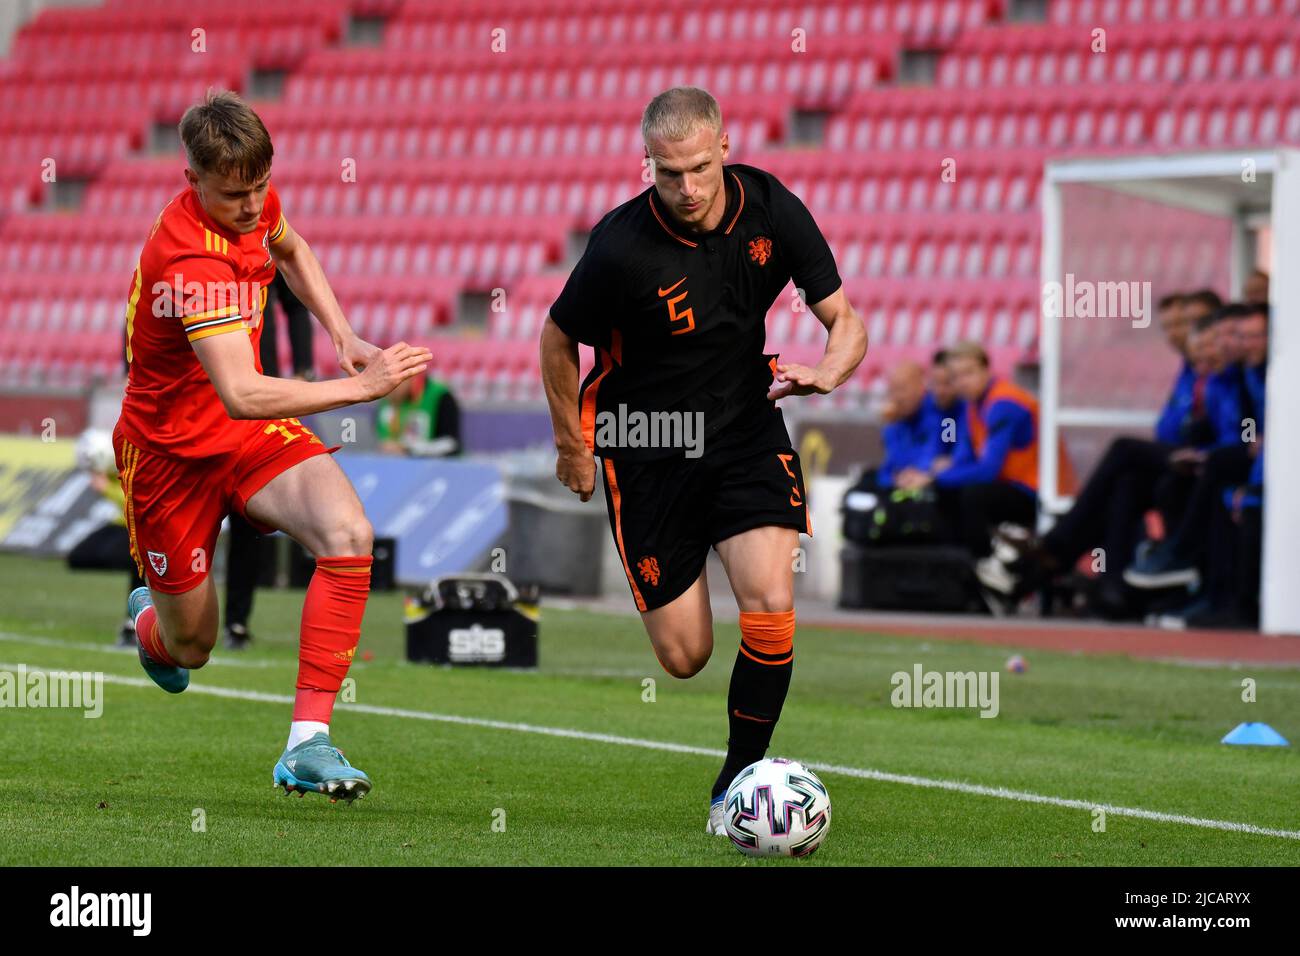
(194, 279)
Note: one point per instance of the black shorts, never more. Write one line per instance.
(665, 514)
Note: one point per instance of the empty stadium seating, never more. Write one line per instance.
(1173, 52)
(451, 158)
(480, 186)
(512, 129)
(830, 70)
(154, 32)
(425, 25)
(164, 88)
(1159, 11)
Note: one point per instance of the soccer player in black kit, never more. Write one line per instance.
(672, 293)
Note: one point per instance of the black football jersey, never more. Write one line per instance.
(677, 318)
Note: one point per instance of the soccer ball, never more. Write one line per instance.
(777, 807)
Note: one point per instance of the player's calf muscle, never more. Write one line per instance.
(189, 623)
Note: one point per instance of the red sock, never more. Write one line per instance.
(149, 634)
(331, 629)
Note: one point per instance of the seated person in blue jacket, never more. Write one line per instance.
(1201, 412)
(1107, 513)
(945, 414)
(912, 421)
(920, 434)
(1179, 558)
(952, 409)
(993, 477)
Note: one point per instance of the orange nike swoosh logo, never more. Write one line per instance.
(747, 717)
(664, 292)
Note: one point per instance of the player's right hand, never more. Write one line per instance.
(391, 367)
(577, 471)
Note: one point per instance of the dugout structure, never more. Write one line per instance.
(1178, 222)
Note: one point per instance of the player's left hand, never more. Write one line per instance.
(355, 354)
(798, 380)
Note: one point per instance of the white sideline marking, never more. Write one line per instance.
(222, 660)
(862, 773)
(219, 659)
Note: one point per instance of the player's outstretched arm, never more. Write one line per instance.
(247, 394)
(846, 346)
(302, 270)
(574, 464)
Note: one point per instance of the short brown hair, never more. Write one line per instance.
(223, 135)
(1206, 298)
(969, 350)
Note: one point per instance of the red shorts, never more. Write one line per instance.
(175, 506)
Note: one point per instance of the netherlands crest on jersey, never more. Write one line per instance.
(158, 561)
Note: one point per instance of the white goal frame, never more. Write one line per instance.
(1212, 183)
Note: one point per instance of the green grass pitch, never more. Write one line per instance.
(128, 787)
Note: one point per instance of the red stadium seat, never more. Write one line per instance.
(928, 197)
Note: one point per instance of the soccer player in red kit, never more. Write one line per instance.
(203, 433)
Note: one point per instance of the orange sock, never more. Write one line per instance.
(767, 636)
(331, 629)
